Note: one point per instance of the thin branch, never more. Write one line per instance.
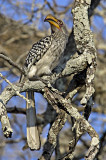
(96, 110)
(11, 62)
(14, 88)
(16, 110)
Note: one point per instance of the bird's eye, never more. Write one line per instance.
(60, 22)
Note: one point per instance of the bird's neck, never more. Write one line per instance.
(59, 33)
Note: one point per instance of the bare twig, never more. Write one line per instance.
(14, 88)
(11, 62)
(16, 110)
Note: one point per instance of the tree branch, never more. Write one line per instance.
(11, 63)
(83, 64)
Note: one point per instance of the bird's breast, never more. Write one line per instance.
(52, 57)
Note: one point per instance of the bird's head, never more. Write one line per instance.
(55, 23)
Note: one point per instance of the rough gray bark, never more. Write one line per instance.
(83, 66)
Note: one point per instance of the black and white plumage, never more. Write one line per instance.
(42, 58)
(45, 55)
(38, 50)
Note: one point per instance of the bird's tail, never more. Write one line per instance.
(33, 138)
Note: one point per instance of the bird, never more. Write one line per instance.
(42, 58)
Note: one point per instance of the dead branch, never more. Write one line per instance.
(83, 65)
(11, 62)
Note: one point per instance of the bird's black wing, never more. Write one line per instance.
(37, 51)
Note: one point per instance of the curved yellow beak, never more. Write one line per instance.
(52, 20)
